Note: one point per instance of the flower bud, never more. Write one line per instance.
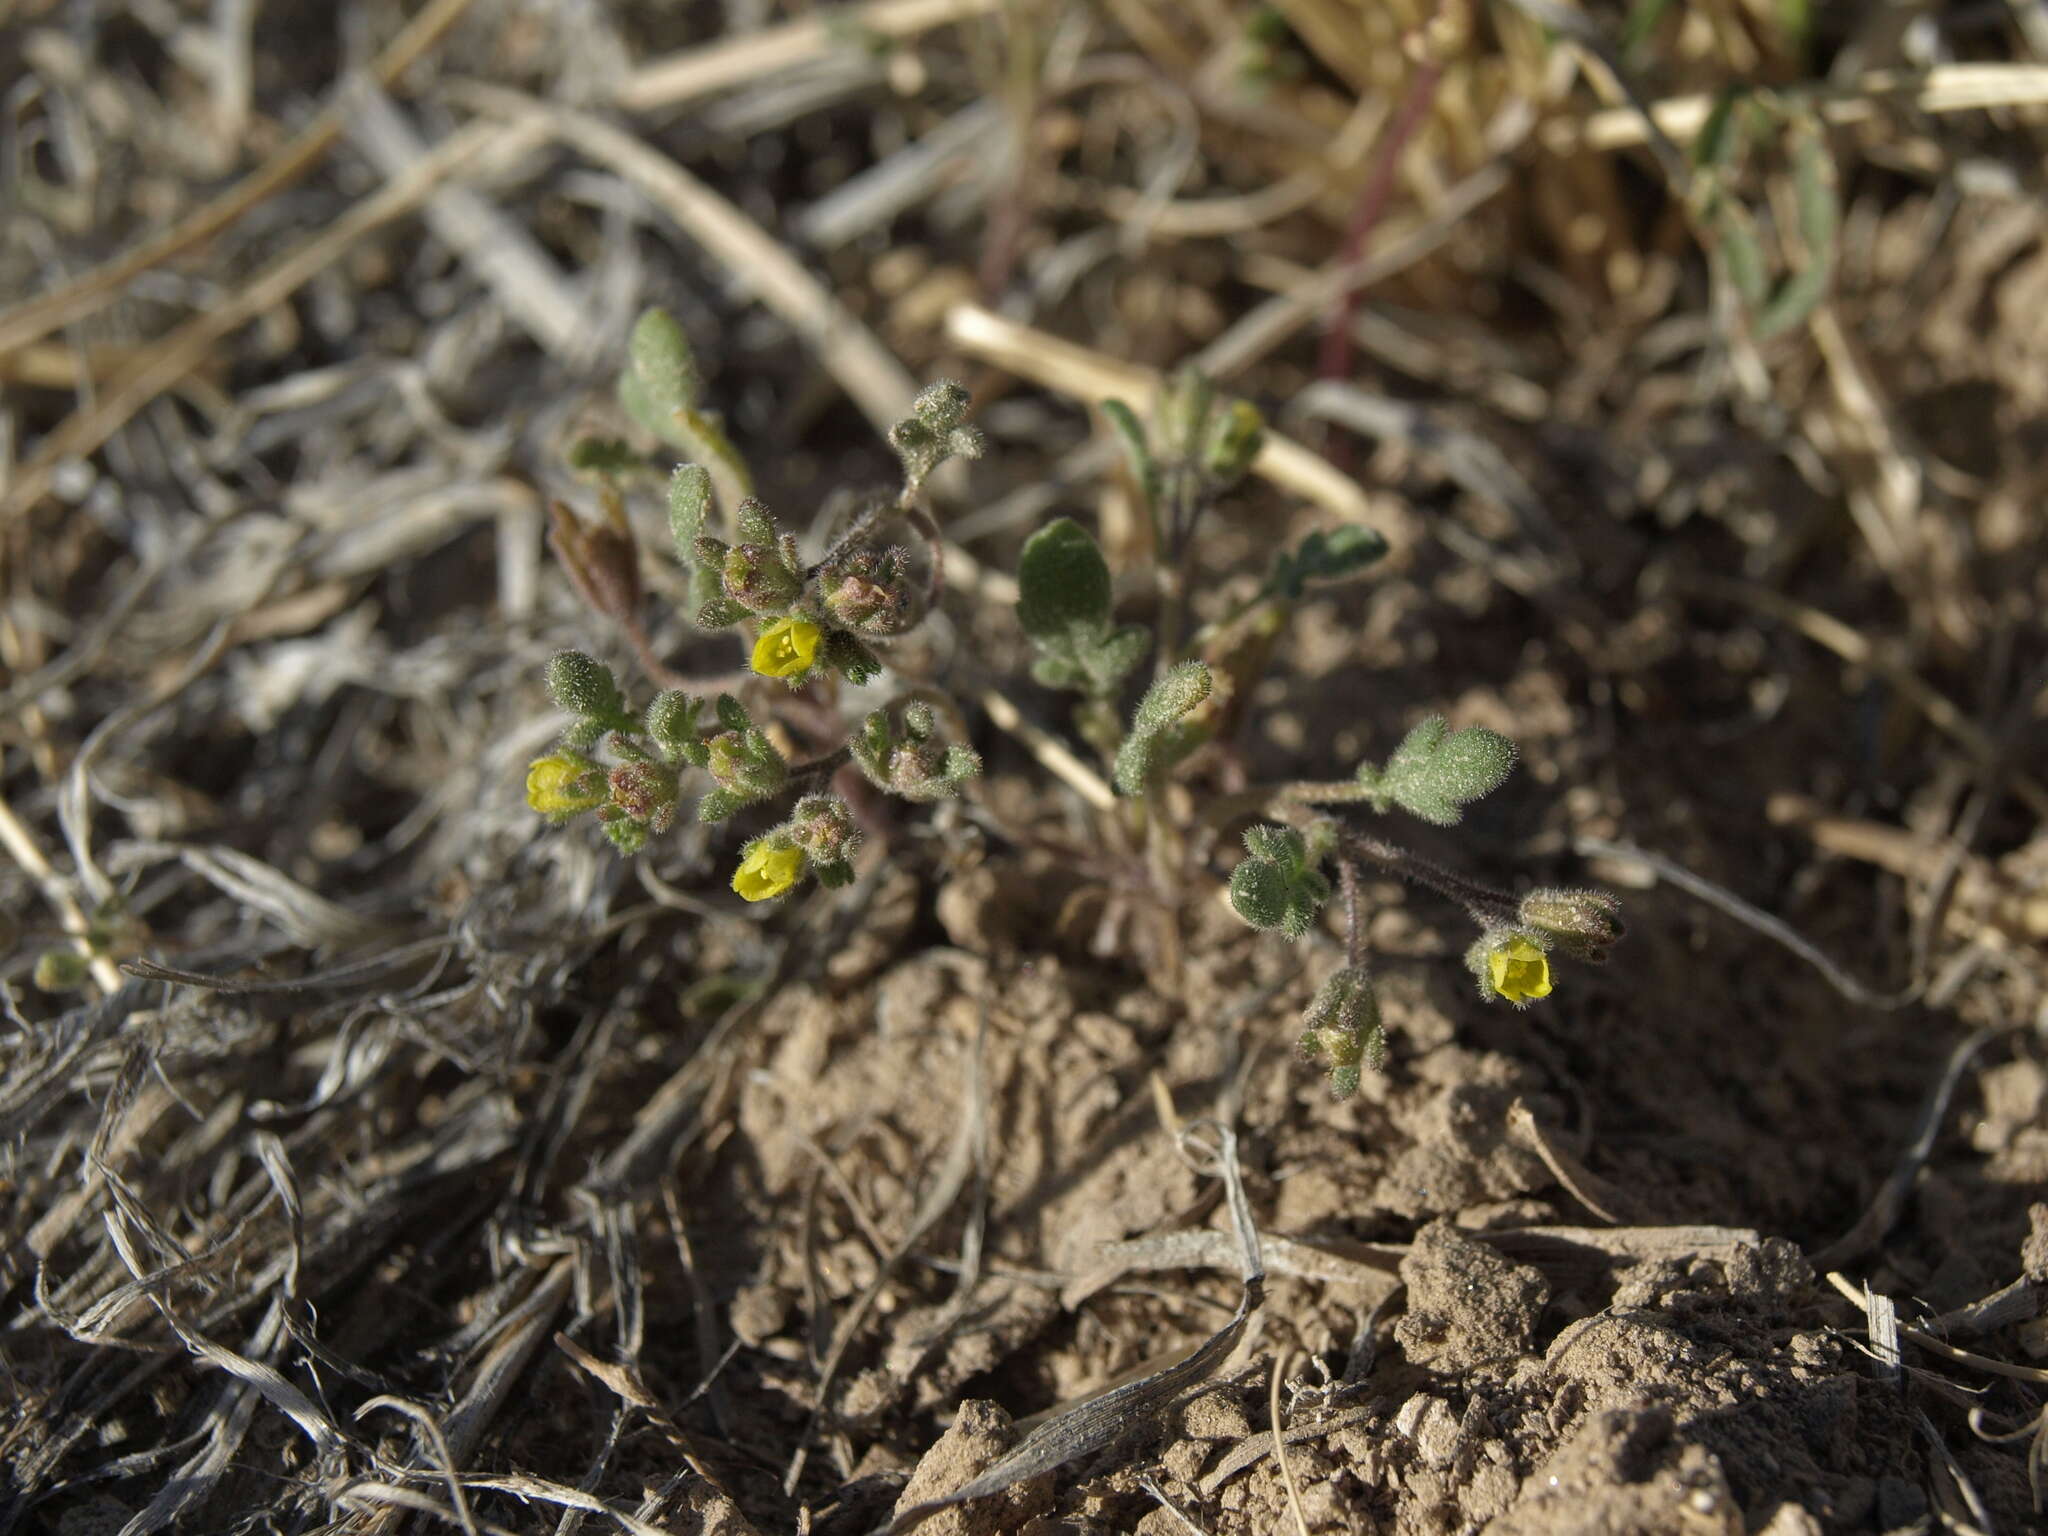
(745, 763)
(1584, 924)
(645, 793)
(869, 591)
(583, 685)
(905, 757)
(1236, 434)
(1342, 1027)
(755, 577)
(823, 827)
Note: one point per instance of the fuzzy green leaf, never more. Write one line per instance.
(1063, 591)
(1137, 450)
(1158, 738)
(671, 722)
(1324, 556)
(689, 503)
(1259, 891)
(604, 456)
(718, 804)
(850, 659)
(1436, 771)
(583, 685)
(660, 362)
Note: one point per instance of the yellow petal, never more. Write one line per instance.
(768, 872)
(551, 786)
(787, 648)
(1520, 971)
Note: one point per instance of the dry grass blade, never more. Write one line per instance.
(1254, 1449)
(733, 61)
(1962, 1507)
(1755, 918)
(177, 354)
(877, 383)
(1591, 1191)
(1942, 89)
(1092, 377)
(22, 847)
(429, 1430)
(1278, 1371)
(1099, 1421)
(88, 292)
(524, 279)
(1368, 1266)
(1890, 1200)
(1945, 1350)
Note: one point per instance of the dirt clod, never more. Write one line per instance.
(1467, 1305)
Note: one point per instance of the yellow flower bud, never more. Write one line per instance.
(564, 784)
(1520, 971)
(787, 648)
(768, 871)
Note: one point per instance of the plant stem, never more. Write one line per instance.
(1485, 904)
(1334, 359)
(1354, 937)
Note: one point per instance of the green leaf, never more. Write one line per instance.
(604, 456)
(718, 804)
(1640, 22)
(1158, 738)
(671, 722)
(1284, 846)
(1436, 771)
(1137, 451)
(1715, 146)
(583, 685)
(1174, 695)
(850, 659)
(1064, 605)
(1324, 556)
(1743, 256)
(689, 502)
(661, 364)
(1259, 892)
(1108, 663)
(756, 523)
(1063, 587)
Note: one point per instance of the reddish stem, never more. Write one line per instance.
(1334, 360)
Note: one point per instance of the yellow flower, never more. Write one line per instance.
(787, 648)
(562, 785)
(768, 871)
(1520, 971)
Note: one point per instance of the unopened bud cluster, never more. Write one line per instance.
(1341, 1028)
(901, 752)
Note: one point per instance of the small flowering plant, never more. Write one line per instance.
(813, 626)
(810, 622)
(1433, 774)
